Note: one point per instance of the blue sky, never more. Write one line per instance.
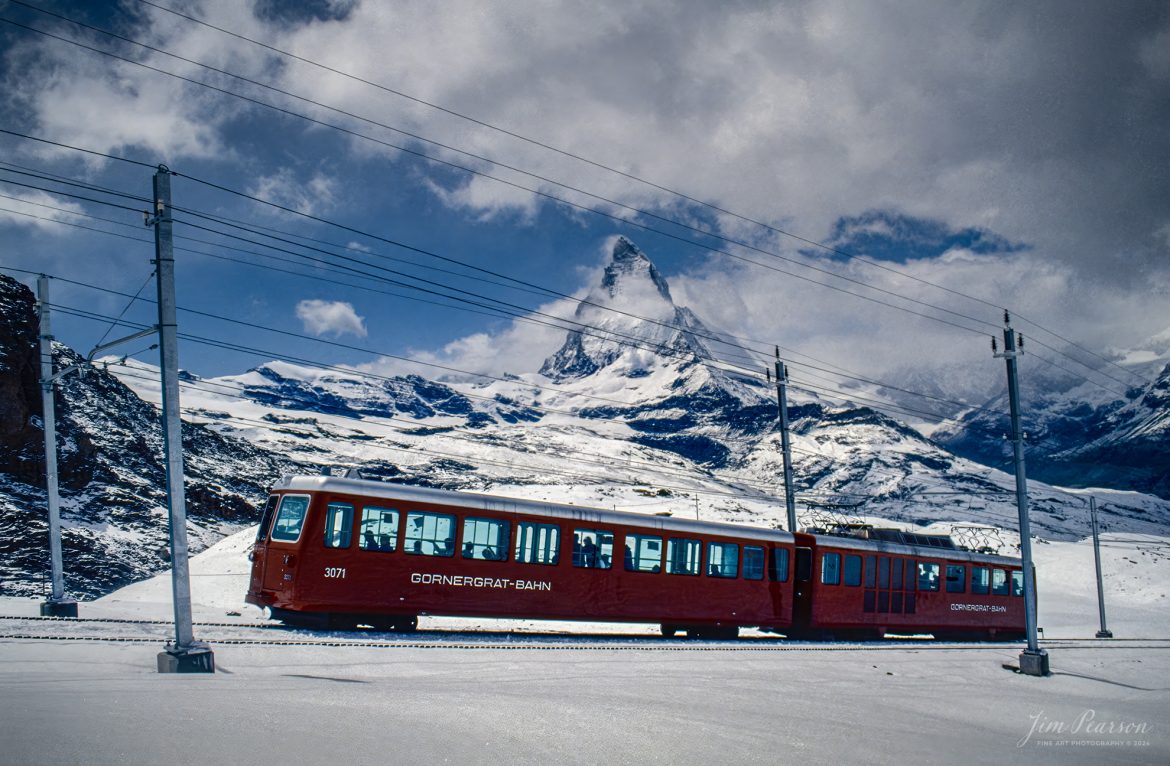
(1014, 154)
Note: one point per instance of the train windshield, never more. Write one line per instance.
(290, 518)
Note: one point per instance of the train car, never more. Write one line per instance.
(865, 588)
(339, 552)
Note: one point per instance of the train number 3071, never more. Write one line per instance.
(335, 573)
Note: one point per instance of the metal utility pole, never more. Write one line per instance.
(1033, 660)
(1104, 632)
(57, 605)
(785, 444)
(185, 655)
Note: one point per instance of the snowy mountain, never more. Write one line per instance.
(110, 471)
(631, 412)
(1080, 434)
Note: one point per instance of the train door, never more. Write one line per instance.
(259, 555)
(802, 595)
(282, 552)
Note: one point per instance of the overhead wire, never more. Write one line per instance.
(707, 336)
(611, 169)
(561, 200)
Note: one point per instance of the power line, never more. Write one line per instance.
(630, 176)
(538, 192)
(582, 325)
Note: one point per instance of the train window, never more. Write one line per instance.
(999, 582)
(338, 525)
(804, 564)
(592, 548)
(778, 571)
(896, 575)
(927, 575)
(683, 556)
(853, 571)
(980, 581)
(911, 582)
(430, 534)
(870, 571)
(538, 543)
(884, 572)
(1017, 583)
(290, 518)
(722, 559)
(956, 579)
(379, 529)
(266, 517)
(831, 569)
(486, 539)
(753, 563)
(643, 553)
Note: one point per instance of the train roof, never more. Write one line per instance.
(902, 549)
(474, 501)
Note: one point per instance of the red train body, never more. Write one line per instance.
(341, 552)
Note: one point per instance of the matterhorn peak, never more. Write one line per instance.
(630, 323)
(629, 265)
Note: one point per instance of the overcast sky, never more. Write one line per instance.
(1014, 152)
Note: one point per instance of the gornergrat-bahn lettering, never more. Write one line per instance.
(347, 552)
(478, 582)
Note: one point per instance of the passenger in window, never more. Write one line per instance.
(384, 543)
(469, 551)
(489, 554)
(629, 559)
(589, 552)
(368, 541)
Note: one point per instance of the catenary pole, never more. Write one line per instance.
(1033, 660)
(785, 443)
(57, 605)
(1104, 632)
(185, 655)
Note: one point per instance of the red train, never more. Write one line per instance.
(334, 552)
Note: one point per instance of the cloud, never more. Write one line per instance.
(313, 196)
(1024, 120)
(21, 211)
(518, 348)
(1039, 126)
(334, 318)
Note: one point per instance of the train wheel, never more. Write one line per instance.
(339, 621)
(714, 632)
(390, 622)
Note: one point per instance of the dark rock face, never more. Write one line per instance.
(111, 472)
(1120, 444)
(20, 394)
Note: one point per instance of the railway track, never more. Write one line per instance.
(268, 634)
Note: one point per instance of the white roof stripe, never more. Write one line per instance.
(583, 514)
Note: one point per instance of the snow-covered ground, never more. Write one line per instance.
(635, 701)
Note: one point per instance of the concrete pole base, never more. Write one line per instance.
(197, 658)
(1034, 663)
(66, 607)
(1104, 634)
